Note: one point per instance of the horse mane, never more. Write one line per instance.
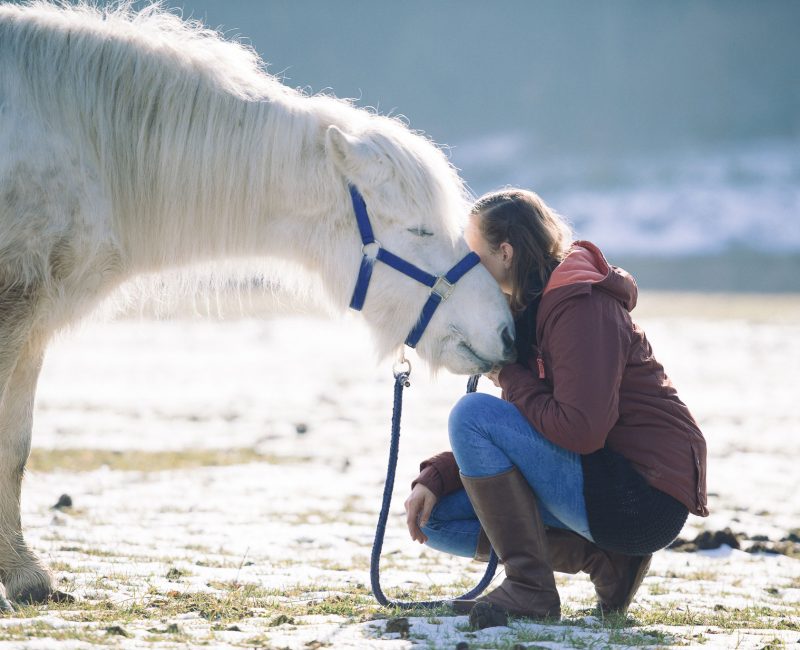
(121, 78)
(233, 65)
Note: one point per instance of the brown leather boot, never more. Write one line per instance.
(509, 513)
(616, 577)
(484, 548)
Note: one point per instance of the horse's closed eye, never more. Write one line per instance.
(420, 232)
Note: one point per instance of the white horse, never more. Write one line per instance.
(134, 143)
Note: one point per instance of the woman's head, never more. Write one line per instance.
(520, 240)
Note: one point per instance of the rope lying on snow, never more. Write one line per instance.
(401, 381)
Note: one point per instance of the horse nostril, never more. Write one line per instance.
(508, 340)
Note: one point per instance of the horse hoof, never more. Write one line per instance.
(62, 597)
(5, 606)
(33, 596)
(41, 596)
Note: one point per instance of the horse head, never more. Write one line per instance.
(417, 207)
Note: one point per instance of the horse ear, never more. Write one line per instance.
(350, 154)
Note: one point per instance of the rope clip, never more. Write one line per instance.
(402, 367)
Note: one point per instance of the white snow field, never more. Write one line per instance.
(226, 475)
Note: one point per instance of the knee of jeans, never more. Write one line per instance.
(468, 413)
(433, 524)
(430, 528)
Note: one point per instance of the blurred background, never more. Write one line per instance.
(668, 133)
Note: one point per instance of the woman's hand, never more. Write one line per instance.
(418, 508)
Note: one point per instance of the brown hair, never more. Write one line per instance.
(539, 236)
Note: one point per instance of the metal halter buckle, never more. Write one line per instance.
(442, 288)
(371, 250)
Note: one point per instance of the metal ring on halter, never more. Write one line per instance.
(376, 244)
(398, 370)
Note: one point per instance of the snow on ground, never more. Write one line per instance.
(171, 542)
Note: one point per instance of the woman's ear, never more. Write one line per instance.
(507, 252)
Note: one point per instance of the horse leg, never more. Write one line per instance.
(24, 577)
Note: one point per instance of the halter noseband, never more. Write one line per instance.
(441, 286)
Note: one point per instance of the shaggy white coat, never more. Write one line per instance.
(136, 142)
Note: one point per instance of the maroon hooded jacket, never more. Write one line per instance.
(593, 382)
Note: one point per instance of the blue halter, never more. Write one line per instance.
(441, 286)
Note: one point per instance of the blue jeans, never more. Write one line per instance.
(490, 436)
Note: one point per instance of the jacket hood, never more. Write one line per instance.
(583, 269)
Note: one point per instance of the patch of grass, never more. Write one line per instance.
(210, 563)
(172, 633)
(66, 567)
(351, 606)
(658, 589)
(565, 636)
(42, 630)
(616, 629)
(231, 603)
(86, 460)
(21, 610)
(755, 617)
(200, 548)
(316, 517)
(93, 551)
(260, 641)
(356, 563)
(174, 574)
(702, 574)
(645, 638)
(532, 635)
(282, 619)
(226, 607)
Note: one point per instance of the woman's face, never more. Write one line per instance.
(497, 262)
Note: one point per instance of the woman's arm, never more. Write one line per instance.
(439, 474)
(587, 348)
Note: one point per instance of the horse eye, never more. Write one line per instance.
(420, 232)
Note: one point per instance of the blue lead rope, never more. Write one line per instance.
(401, 381)
(440, 287)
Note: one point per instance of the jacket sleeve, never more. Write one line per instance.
(587, 350)
(439, 474)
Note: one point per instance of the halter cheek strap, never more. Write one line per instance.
(441, 286)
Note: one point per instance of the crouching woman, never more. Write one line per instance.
(589, 461)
